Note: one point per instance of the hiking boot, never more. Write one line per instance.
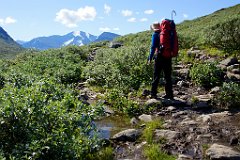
(168, 97)
(153, 96)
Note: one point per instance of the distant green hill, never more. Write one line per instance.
(195, 32)
(8, 47)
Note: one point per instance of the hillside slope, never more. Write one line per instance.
(190, 32)
(8, 47)
(196, 30)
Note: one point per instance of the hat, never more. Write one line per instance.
(155, 26)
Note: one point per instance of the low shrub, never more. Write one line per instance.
(118, 101)
(46, 121)
(225, 35)
(206, 74)
(229, 97)
(124, 68)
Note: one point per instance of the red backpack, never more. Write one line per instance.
(168, 38)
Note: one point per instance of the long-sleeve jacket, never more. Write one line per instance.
(155, 44)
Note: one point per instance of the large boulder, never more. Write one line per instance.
(220, 152)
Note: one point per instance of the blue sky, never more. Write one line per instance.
(28, 19)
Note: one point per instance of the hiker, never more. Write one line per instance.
(161, 63)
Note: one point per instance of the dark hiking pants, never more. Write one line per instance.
(165, 65)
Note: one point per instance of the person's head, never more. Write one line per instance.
(155, 26)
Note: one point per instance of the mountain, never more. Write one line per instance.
(74, 38)
(20, 42)
(8, 47)
(106, 36)
(56, 41)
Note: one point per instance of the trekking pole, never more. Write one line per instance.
(173, 12)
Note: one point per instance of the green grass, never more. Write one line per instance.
(106, 153)
(148, 133)
(153, 152)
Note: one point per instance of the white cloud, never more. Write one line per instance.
(107, 29)
(150, 11)
(126, 13)
(143, 19)
(7, 20)
(116, 29)
(70, 18)
(132, 19)
(104, 29)
(107, 9)
(185, 16)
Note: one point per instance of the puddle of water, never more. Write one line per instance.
(108, 126)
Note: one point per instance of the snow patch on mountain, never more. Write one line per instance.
(68, 42)
(78, 38)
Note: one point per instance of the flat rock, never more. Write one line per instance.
(229, 61)
(184, 157)
(204, 118)
(152, 102)
(204, 98)
(206, 138)
(168, 134)
(215, 90)
(189, 123)
(233, 76)
(127, 135)
(220, 152)
(173, 102)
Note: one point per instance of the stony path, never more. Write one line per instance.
(190, 133)
(193, 129)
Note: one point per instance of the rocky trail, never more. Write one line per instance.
(193, 130)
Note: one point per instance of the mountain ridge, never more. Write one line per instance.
(8, 46)
(78, 38)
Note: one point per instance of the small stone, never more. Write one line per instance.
(145, 118)
(171, 108)
(215, 90)
(134, 121)
(233, 140)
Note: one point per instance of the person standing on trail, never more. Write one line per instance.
(161, 63)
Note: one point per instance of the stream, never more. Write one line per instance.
(108, 126)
